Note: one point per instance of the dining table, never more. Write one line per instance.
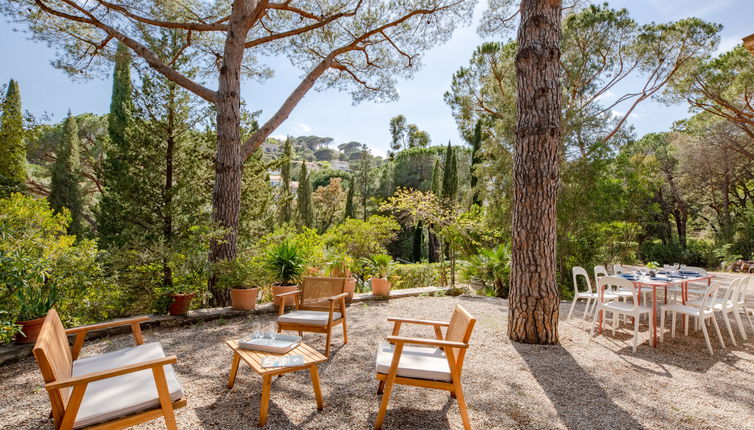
(663, 281)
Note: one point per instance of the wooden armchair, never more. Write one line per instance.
(438, 367)
(315, 305)
(109, 391)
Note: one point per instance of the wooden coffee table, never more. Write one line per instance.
(254, 359)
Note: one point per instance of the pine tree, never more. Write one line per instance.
(65, 191)
(304, 197)
(285, 176)
(12, 146)
(450, 178)
(350, 211)
(119, 157)
(476, 159)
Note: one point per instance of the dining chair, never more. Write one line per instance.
(727, 305)
(589, 295)
(617, 308)
(741, 299)
(702, 311)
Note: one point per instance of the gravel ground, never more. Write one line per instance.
(580, 384)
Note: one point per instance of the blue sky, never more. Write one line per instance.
(331, 113)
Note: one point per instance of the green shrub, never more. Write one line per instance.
(491, 268)
(416, 275)
(286, 261)
(698, 253)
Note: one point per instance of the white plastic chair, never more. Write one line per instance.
(702, 311)
(741, 300)
(727, 305)
(589, 295)
(621, 308)
(617, 269)
(696, 290)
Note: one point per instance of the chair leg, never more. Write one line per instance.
(740, 323)
(462, 405)
(662, 324)
(381, 387)
(301, 333)
(727, 325)
(615, 322)
(748, 317)
(345, 332)
(636, 333)
(706, 339)
(686, 325)
(327, 347)
(594, 321)
(573, 305)
(717, 330)
(672, 325)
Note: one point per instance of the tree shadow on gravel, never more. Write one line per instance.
(579, 399)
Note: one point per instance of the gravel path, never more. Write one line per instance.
(581, 384)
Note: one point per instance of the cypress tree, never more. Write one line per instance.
(64, 186)
(305, 210)
(476, 158)
(434, 243)
(118, 154)
(450, 178)
(12, 146)
(285, 176)
(350, 211)
(436, 178)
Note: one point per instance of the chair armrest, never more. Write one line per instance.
(430, 342)
(420, 322)
(99, 326)
(338, 297)
(105, 374)
(289, 293)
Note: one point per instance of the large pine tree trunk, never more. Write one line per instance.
(226, 193)
(534, 296)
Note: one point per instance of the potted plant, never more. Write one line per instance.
(34, 303)
(236, 276)
(286, 262)
(339, 266)
(381, 268)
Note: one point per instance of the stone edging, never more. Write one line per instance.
(11, 353)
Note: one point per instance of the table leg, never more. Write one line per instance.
(315, 382)
(654, 317)
(264, 402)
(233, 369)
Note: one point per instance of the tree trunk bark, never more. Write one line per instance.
(226, 193)
(433, 246)
(534, 297)
(418, 241)
(167, 192)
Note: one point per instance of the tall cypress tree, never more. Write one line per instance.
(434, 243)
(476, 158)
(305, 209)
(285, 176)
(450, 178)
(436, 178)
(350, 211)
(12, 146)
(116, 176)
(65, 191)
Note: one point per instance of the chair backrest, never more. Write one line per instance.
(459, 330)
(617, 269)
(617, 282)
(580, 271)
(701, 271)
(599, 271)
(53, 355)
(710, 296)
(732, 291)
(744, 288)
(316, 290)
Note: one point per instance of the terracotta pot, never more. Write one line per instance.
(243, 299)
(31, 329)
(350, 287)
(180, 304)
(280, 289)
(380, 287)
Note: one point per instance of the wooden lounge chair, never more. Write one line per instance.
(109, 391)
(315, 305)
(438, 367)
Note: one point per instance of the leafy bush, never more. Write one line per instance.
(361, 239)
(491, 267)
(698, 253)
(8, 327)
(416, 275)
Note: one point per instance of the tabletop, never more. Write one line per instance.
(646, 281)
(254, 358)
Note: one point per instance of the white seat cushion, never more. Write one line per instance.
(625, 307)
(122, 395)
(317, 318)
(416, 362)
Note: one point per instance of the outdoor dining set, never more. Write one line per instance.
(674, 289)
(129, 386)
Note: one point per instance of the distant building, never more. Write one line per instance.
(276, 180)
(340, 165)
(271, 148)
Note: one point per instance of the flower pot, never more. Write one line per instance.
(280, 289)
(380, 287)
(180, 304)
(350, 287)
(243, 299)
(31, 329)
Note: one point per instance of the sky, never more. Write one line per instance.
(45, 89)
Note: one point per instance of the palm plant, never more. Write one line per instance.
(286, 261)
(380, 265)
(492, 268)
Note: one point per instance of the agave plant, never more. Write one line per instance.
(286, 261)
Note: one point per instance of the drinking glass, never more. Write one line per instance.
(272, 336)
